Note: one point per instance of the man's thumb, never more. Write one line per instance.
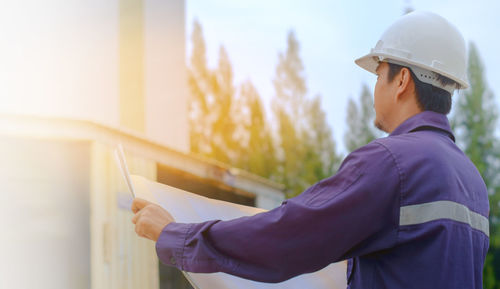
(138, 204)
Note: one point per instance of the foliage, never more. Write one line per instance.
(360, 120)
(306, 150)
(257, 150)
(211, 112)
(230, 124)
(227, 124)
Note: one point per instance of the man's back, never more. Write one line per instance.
(442, 238)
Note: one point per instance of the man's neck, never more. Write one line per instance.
(402, 115)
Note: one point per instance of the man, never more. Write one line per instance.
(407, 211)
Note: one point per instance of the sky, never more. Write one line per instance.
(332, 34)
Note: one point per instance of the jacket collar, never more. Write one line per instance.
(426, 120)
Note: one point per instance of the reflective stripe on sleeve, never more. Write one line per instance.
(422, 213)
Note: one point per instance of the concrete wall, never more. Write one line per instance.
(118, 62)
(60, 58)
(45, 239)
(166, 74)
(119, 259)
(66, 219)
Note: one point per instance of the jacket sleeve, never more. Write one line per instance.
(352, 213)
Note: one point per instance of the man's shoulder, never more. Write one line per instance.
(425, 140)
(375, 152)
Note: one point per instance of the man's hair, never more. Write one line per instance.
(429, 97)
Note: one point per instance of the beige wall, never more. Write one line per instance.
(45, 236)
(67, 219)
(119, 259)
(166, 75)
(131, 64)
(117, 62)
(59, 58)
(66, 222)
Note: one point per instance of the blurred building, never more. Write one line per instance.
(77, 78)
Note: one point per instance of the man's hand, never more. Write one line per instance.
(149, 219)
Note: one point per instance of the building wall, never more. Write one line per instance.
(66, 222)
(131, 64)
(120, 63)
(60, 58)
(45, 238)
(119, 259)
(165, 73)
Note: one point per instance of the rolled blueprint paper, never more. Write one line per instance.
(187, 207)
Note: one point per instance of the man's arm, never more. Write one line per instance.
(352, 213)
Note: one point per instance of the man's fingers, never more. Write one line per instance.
(139, 230)
(149, 219)
(136, 217)
(138, 204)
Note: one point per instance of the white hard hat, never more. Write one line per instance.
(427, 44)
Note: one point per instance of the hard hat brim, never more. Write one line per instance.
(370, 63)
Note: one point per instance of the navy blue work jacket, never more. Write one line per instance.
(408, 211)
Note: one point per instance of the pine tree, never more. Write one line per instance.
(322, 159)
(360, 119)
(290, 86)
(212, 124)
(474, 122)
(234, 129)
(199, 83)
(257, 152)
(223, 127)
(306, 151)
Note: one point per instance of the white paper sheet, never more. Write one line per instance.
(187, 207)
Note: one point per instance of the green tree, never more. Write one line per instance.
(257, 152)
(360, 121)
(199, 81)
(212, 124)
(474, 121)
(225, 124)
(306, 150)
(288, 104)
(321, 158)
(223, 142)
(231, 127)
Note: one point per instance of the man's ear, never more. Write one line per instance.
(404, 83)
